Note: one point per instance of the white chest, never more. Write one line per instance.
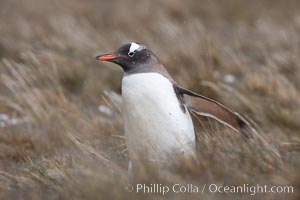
(155, 124)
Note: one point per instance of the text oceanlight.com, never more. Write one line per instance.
(210, 188)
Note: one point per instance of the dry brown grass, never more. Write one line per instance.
(68, 149)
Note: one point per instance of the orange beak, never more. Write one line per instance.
(107, 57)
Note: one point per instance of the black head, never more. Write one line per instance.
(130, 57)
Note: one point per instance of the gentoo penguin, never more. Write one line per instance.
(157, 122)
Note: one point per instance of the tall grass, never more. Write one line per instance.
(71, 145)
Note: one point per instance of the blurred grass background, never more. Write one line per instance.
(61, 135)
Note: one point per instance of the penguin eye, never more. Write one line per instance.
(131, 54)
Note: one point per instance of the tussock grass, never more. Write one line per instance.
(70, 148)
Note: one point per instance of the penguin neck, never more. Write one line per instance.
(152, 67)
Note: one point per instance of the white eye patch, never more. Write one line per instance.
(135, 47)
